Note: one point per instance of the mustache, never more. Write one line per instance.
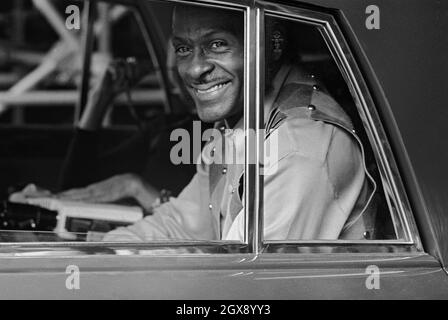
(207, 80)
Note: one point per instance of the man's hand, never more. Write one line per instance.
(109, 190)
(115, 188)
(30, 191)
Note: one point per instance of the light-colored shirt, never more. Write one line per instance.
(312, 188)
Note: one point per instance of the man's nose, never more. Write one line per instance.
(199, 66)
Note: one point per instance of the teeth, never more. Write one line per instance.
(214, 88)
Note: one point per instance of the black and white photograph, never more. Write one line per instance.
(223, 154)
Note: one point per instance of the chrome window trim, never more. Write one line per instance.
(253, 180)
(351, 247)
(87, 40)
(154, 244)
(387, 167)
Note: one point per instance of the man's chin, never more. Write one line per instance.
(205, 117)
(212, 114)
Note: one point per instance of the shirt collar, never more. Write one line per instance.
(278, 82)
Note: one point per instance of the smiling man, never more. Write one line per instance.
(320, 188)
(210, 59)
(317, 187)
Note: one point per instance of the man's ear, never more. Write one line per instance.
(277, 44)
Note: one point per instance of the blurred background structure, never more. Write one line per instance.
(41, 59)
(35, 48)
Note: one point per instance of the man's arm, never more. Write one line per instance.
(183, 218)
(118, 187)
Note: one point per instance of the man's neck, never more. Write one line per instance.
(233, 119)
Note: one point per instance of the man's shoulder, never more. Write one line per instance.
(304, 120)
(301, 136)
(306, 100)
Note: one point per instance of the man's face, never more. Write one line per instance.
(210, 59)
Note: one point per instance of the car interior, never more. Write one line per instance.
(39, 144)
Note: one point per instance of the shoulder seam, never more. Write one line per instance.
(327, 173)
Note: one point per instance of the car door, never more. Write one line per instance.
(405, 264)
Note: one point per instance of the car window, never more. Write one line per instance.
(323, 173)
(146, 81)
(196, 125)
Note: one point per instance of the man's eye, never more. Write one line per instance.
(218, 45)
(182, 51)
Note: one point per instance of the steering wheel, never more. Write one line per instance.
(86, 158)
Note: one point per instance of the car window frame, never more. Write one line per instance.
(175, 246)
(340, 50)
(253, 119)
